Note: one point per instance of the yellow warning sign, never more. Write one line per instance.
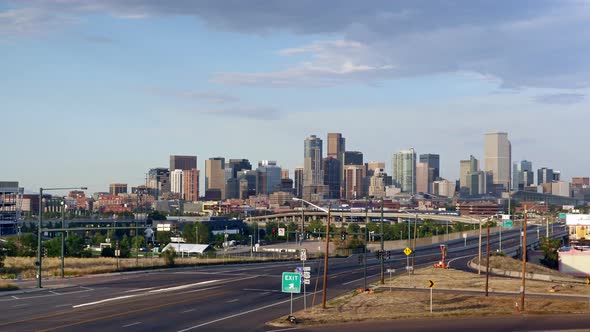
(408, 251)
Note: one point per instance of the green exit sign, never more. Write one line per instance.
(291, 282)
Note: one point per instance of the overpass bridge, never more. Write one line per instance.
(347, 216)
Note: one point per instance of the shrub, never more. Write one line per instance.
(169, 256)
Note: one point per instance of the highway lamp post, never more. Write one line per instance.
(40, 226)
(487, 256)
(251, 246)
(325, 281)
(63, 225)
(523, 249)
(365, 251)
(382, 247)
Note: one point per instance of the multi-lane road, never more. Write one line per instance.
(206, 298)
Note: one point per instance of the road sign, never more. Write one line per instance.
(306, 275)
(390, 270)
(281, 231)
(408, 251)
(307, 281)
(307, 268)
(291, 282)
(562, 216)
(430, 283)
(303, 255)
(507, 224)
(588, 281)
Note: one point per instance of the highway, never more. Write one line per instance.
(205, 298)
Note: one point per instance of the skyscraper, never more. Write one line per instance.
(182, 162)
(404, 170)
(159, 181)
(269, 177)
(353, 179)
(313, 175)
(544, 175)
(497, 159)
(353, 158)
(433, 162)
(422, 178)
(298, 175)
(466, 168)
(237, 165)
(332, 174)
(215, 175)
(190, 184)
(336, 146)
(176, 183)
(118, 188)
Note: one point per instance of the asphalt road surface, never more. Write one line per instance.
(204, 298)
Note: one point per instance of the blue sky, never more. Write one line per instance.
(95, 92)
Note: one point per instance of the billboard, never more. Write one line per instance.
(577, 219)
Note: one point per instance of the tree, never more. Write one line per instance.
(138, 241)
(163, 238)
(354, 229)
(549, 248)
(169, 256)
(156, 215)
(74, 245)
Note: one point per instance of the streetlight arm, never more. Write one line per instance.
(317, 207)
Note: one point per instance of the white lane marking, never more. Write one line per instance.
(262, 290)
(289, 329)
(21, 305)
(265, 293)
(190, 310)
(182, 286)
(240, 314)
(130, 296)
(359, 279)
(138, 290)
(56, 293)
(202, 289)
(451, 260)
(132, 324)
(103, 301)
(232, 301)
(63, 305)
(47, 295)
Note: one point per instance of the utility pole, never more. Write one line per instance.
(479, 250)
(382, 246)
(324, 292)
(523, 249)
(487, 257)
(63, 225)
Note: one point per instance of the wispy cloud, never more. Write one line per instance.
(267, 113)
(560, 98)
(210, 96)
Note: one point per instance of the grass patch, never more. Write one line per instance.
(4, 286)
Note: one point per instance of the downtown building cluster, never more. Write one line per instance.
(338, 175)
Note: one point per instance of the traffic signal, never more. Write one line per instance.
(378, 254)
(388, 254)
(44, 252)
(343, 236)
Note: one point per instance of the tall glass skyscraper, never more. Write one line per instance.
(404, 170)
(497, 158)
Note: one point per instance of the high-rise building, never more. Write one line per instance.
(466, 168)
(544, 175)
(248, 183)
(336, 146)
(117, 188)
(353, 179)
(497, 158)
(443, 188)
(332, 174)
(285, 173)
(404, 170)
(190, 185)
(159, 181)
(215, 175)
(580, 181)
(556, 175)
(269, 177)
(373, 166)
(182, 162)
(422, 178)
(433, 162)
(522, 175)
(298, 175)
(237, 165)
(353, 158)
(561, 188)
(378, 183)
(313, 175)
(176, 183)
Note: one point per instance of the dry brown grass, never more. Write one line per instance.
(6, 286)
(387, 305)
(25, 266)
(397, 304)
(511, 264)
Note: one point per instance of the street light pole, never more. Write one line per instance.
(479, 251)
(522, 288)
(382, 247)
(328, 211)
(39, 243)
(63, 225)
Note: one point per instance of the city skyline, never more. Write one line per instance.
(96, 93)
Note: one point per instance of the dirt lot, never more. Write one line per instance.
(384, 304)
